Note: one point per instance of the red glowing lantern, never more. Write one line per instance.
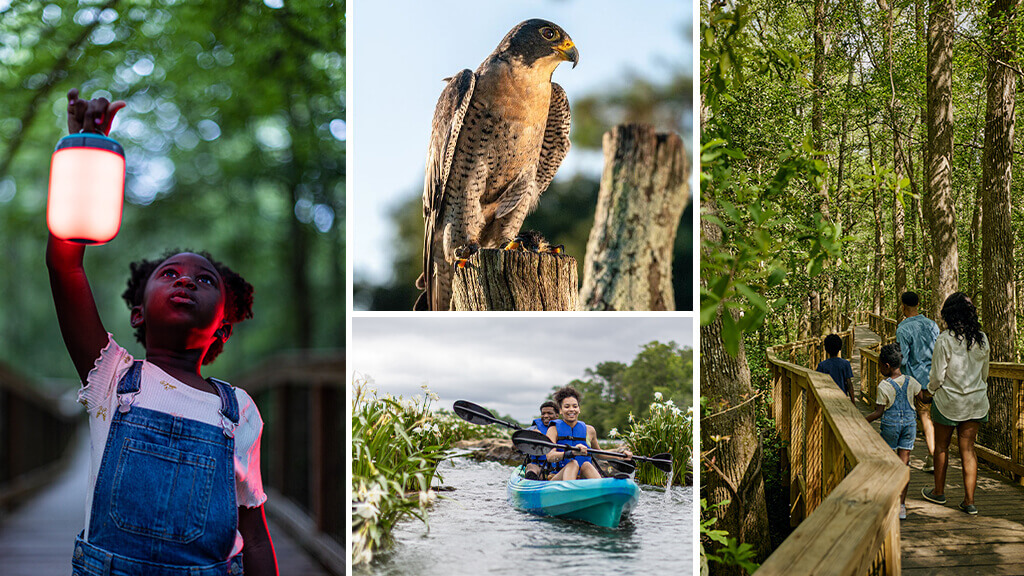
(86, 189)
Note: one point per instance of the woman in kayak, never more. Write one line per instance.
(571, 431)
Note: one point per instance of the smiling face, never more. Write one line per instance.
(570, 410)
(184, 292)
(547, 414)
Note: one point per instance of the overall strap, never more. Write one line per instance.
(128, 387)
(228, 406)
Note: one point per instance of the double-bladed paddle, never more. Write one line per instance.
(536, 444)
(477, 414)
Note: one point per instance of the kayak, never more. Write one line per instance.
(603, 501)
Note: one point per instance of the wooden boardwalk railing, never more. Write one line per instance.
(35, 431)
(1001, 440)
(302, 399)
(845, 482)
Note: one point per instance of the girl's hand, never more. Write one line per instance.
(94, 116)
(582, 448)
(627, 453)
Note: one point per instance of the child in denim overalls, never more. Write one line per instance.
(895, 406)
(175, 458)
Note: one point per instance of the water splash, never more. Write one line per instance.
(668, 483)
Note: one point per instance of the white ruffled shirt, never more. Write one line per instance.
(163, 393)
(958, 378)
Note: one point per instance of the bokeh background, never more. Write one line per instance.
(635, 65)
(234, 135)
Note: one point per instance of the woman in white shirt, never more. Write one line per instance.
(959, 394)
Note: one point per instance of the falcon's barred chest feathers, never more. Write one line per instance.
(499, 135)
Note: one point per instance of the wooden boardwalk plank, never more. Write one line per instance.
(942, 539)
(37, 538)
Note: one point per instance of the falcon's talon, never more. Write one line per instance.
(463, 263)
(514, 245)
(558, 249)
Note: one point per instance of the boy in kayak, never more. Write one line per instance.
(537, 467)
(571, 431)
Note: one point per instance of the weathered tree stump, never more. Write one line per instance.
(644, 191)
(516, 280)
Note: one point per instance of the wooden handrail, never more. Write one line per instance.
(1001, 440)
(301, 396)
(845, 482)
(35, 432)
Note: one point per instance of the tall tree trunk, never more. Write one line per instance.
(923, 214)
(898, 248)
(816, 310)
(941, 211)
(876, 204)
(733, 469)
(998, 305)
(973, 276)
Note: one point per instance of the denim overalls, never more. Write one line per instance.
(165, 489)
(899, 421)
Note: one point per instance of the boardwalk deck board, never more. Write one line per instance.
(37, 537)
(942, 540)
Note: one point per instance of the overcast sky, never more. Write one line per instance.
(508, 364)
(402, 49)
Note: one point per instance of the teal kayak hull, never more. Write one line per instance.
(602, 502)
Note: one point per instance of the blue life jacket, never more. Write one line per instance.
(571, 437)
(541, 461)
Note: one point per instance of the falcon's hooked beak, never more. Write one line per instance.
(567, 50)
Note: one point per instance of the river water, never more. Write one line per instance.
(474, 531)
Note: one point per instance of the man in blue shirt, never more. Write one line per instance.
(836, 367)
(916, 336)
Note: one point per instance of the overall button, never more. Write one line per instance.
(78, 551)
(236, 568)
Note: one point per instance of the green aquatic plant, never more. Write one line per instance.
(397, 445)
(667, 429)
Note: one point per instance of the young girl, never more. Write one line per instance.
(959, 394)
(571, 431)
(895, 406)
(175, 485)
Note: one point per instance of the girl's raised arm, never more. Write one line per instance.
(80, 324)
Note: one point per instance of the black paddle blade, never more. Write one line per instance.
(473, 413)
(531, 442)
(621, 466)
(661, 461)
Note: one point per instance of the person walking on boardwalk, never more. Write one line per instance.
(838, 368)
(896, 409)
(916, 336)
(958, 392)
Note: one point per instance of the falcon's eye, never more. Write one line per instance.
(548, 33)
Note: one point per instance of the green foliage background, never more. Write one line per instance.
(234, 138)
(612, 391)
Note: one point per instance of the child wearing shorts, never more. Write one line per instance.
(895, 406)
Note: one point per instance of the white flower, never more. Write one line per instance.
(433, 396)
(426, 497)
(373, 495)
(657, 395)
(366, 510)
(670, 402)
(614, 433)
(417, 430)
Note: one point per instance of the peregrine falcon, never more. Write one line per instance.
(498, 137)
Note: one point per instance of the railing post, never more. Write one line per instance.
(813, 452)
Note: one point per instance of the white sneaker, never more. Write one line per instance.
(929, 464)
(903, 511)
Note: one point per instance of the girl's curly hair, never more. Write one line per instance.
(960, 315)
(563, 393)
(237, 304)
